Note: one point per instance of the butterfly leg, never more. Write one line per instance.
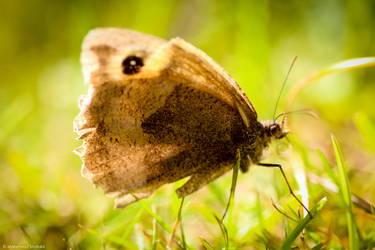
(273, 165)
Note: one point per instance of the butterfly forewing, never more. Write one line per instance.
(176, 114)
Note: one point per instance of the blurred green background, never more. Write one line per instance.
(43, 198)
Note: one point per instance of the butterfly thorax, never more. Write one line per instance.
(257, 140)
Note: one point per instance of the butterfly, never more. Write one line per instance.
(158, 111)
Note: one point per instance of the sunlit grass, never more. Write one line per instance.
(45, 201)
(346, 196)
(291, 237)
(147, 224)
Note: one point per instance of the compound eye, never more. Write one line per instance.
(273, 129)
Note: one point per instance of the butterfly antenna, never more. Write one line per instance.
(283, 86)
(310, 112)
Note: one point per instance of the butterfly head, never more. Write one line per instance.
(275, 129)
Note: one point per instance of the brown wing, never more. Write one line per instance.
(180, 115)
(201, 72)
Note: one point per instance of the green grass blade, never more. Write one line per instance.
(111, 238)
(154, 234)
(179, 216)
(344, 186)
(223, 231)
(160, 221)
(328, 168)
(298, 229)
(318, 247)
(163, 245)
(229, 206)
(131, 225)
(206, 244)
